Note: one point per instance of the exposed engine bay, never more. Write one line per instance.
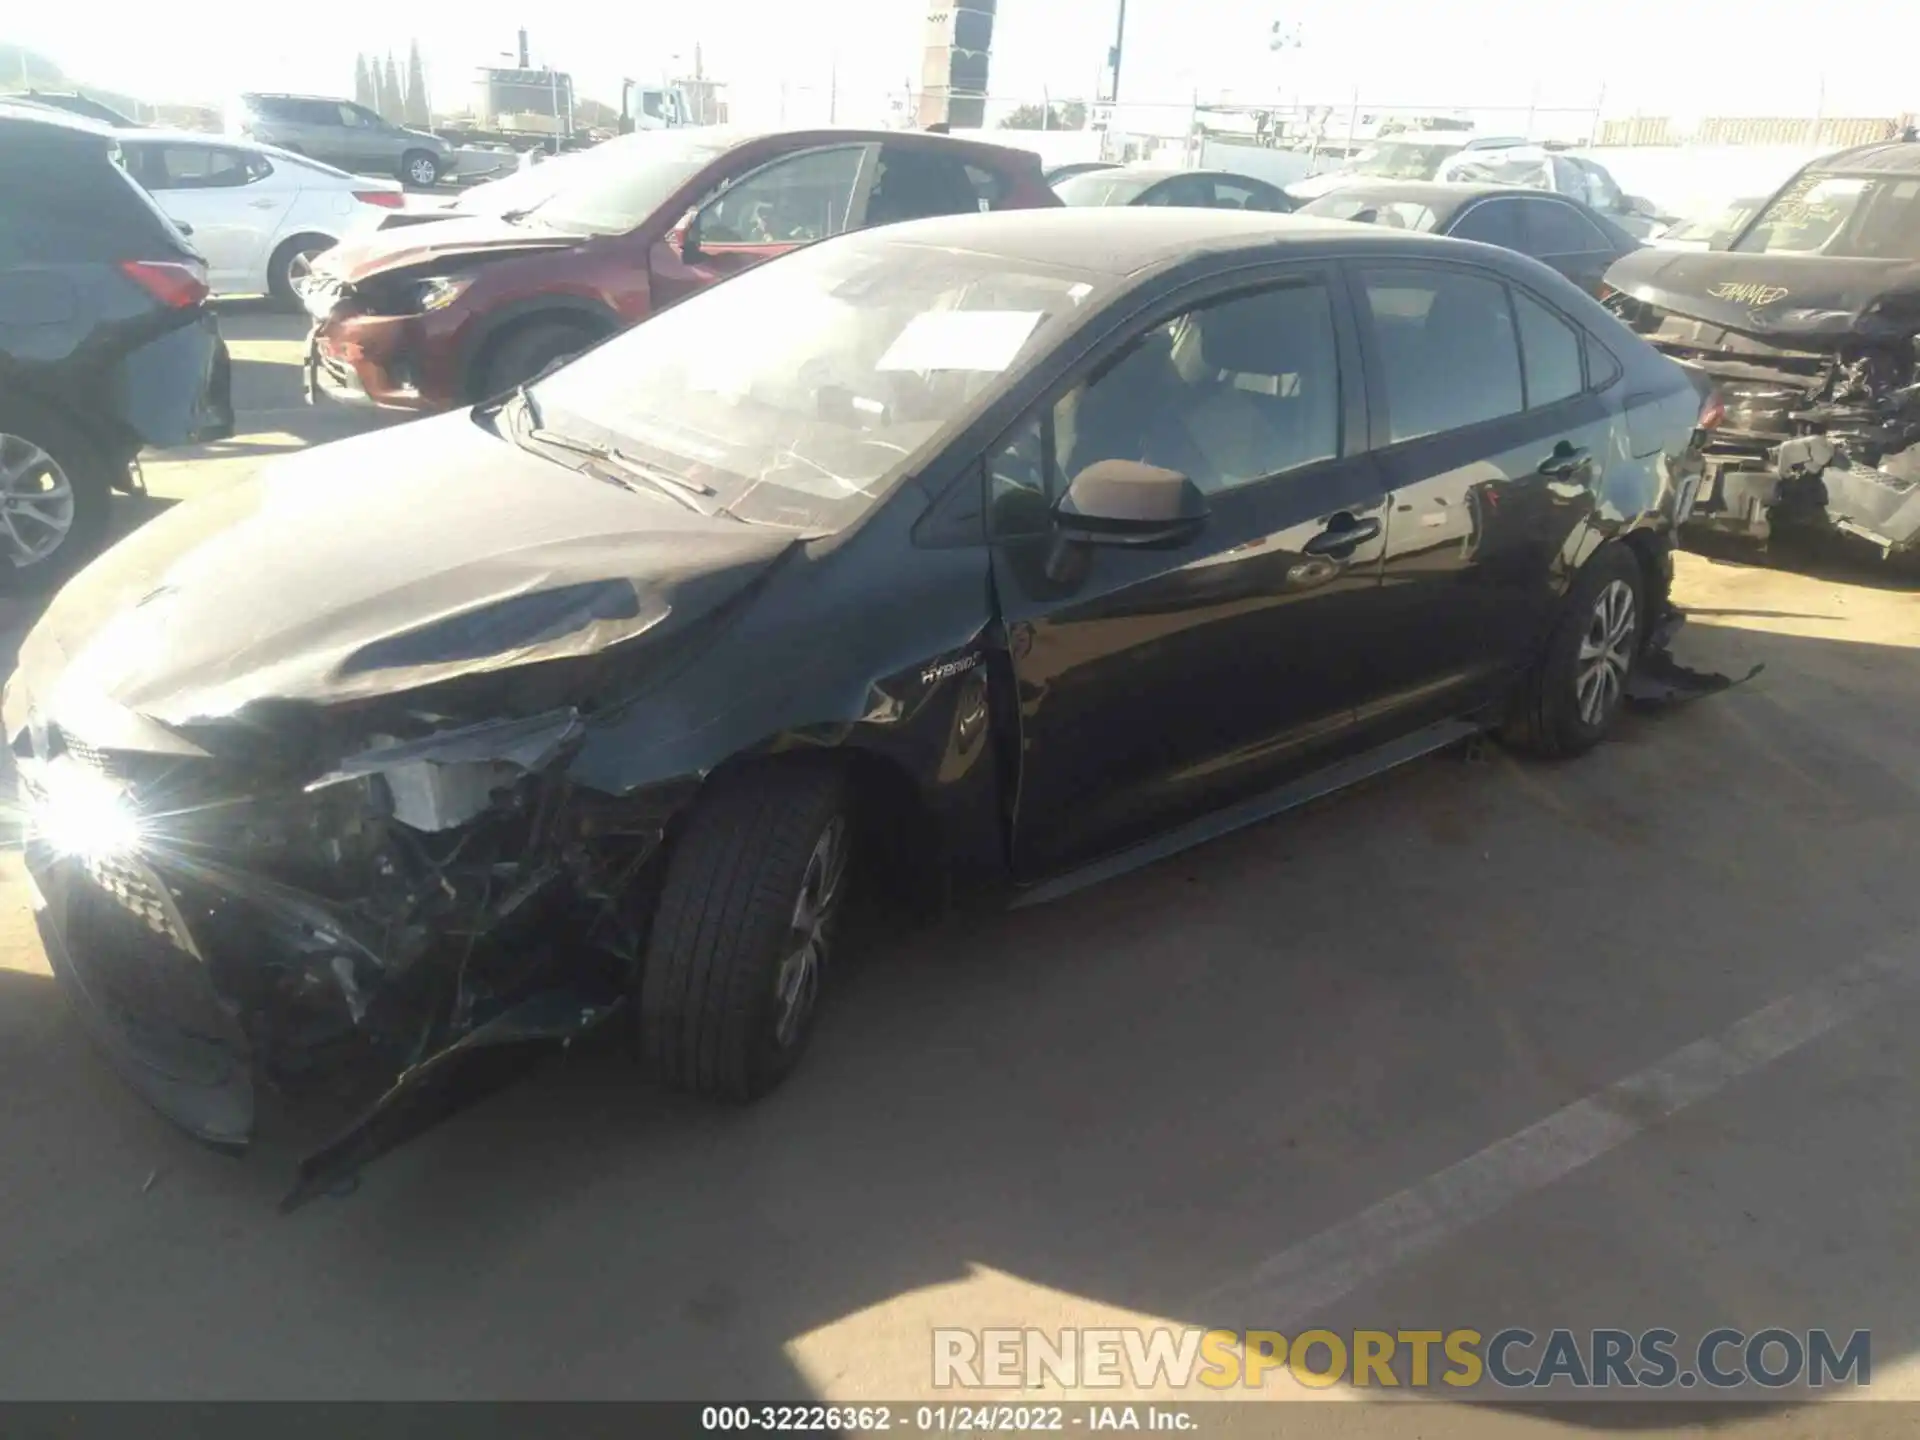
(1804, 437)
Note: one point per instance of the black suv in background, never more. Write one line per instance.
(107, 345)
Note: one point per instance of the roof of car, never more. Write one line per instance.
(1440, 196)
(52, 116)
(1135, 238)
(1889, 157)
(1169, 172)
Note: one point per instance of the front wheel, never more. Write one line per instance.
(1570, 698)
(421, 168)
(744, 931)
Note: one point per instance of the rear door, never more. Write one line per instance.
(1157, 685)
(1492, 437)
(233, 201)
(760, 211)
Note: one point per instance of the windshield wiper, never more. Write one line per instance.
(677, 487)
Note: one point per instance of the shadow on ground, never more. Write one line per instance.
(1114, 1105)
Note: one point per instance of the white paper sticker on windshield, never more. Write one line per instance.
(984, 340)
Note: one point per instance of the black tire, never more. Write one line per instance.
(420, 169)
(712, 1017)
(1549, 717)
(90, 477)
(281, 268)
(523, 352)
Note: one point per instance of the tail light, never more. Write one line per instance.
(1712, 412)
(385, 199)
(1603, 292)
(176, 284)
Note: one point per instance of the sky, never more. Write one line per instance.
(784, 58)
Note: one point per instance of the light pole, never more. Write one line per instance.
(1281, 37)
(1113, 55)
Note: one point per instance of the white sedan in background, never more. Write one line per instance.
(257, 214)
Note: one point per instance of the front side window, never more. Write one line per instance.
(794, 201)
(799, 393)
(919, 184)
(355, 118)
(1228, 394)
(1855, 216)
(1446, 349)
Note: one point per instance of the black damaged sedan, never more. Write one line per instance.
(993, 551)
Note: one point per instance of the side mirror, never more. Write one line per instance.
(1640, 205)
(1124, 502)
(183, 227)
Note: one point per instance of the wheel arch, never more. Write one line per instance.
(590, 316)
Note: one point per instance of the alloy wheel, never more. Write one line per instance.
(300, 269)
(1606, 653)
(797, 982)
(36, 502)
(423, 171)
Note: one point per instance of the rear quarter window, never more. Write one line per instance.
(67, 198)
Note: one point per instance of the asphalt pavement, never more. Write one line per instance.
(1624, 1042)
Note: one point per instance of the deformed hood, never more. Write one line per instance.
(379, 252)
(1808, 298)
(374, 566)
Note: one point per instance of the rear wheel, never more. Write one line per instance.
(741, 938)
(55, 489)
(1569, 700)
(421, 168)
(292, 266)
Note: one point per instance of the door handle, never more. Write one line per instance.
(1344, 531)
(1565, 460)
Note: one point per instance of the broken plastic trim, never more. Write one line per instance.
(447, 779)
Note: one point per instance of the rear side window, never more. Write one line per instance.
(915, 184)
(1445, 344)
(1491, 222)
(67, 199)
(1549, 351)
(989, 187)
(1554, 229)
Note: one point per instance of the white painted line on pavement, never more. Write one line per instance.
(1287, 1289)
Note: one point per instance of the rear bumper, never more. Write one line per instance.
(177, 389)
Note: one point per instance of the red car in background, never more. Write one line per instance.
(435, 315)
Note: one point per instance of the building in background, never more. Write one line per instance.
(953, 77)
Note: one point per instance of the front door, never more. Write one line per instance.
(1492, 442)
(1157, 685)
(760, 213)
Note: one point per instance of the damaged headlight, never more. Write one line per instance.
(445, 780)
(438, 292)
